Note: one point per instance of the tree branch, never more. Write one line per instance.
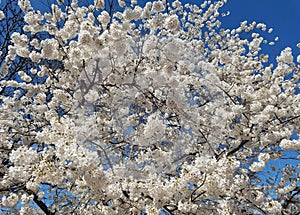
(41, 204)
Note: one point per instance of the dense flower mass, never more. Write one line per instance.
(118, 108)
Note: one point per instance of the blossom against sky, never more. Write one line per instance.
(282, 16)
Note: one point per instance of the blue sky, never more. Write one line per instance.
(282, 16)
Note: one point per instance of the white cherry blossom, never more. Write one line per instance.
(119, 108)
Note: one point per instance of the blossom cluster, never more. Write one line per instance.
(152, 109)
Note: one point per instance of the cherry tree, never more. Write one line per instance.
(117, 108)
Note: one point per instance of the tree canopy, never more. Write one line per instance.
(110, 107)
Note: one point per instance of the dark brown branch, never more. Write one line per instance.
(231, 152)
(289, 200)
(285, 121)
(41, 204)
(193, 195)
(206, 140)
